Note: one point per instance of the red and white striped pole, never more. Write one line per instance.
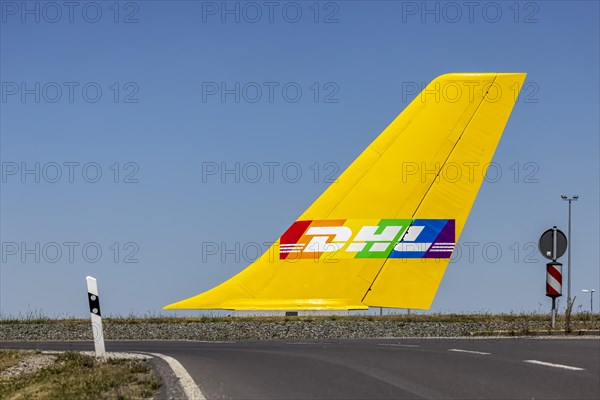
(554, 285)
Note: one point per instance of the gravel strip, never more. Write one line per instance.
(261, 330)
(29, 365)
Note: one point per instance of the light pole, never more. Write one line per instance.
(591, 292)
(569, 199)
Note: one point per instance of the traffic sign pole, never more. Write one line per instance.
(553, 312)
(554, 235)
(553, 245)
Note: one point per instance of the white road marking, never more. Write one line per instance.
(547, 364)
(191, 390)
(398, 345)
(483, 353)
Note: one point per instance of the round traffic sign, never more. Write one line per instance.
(546, 244)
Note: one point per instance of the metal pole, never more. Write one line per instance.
(569, 259)
(554, 239)
(553, 312)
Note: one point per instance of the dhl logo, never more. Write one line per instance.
(378, 238)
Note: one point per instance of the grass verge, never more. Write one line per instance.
(76, 376)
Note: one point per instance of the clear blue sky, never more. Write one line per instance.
(157, 68)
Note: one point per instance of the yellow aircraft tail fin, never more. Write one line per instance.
(383, 233)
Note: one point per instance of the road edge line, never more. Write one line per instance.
(189, 386)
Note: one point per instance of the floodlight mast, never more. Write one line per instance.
(569, 199)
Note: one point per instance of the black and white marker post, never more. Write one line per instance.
(94, 301)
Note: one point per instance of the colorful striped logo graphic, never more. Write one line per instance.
(378, 238)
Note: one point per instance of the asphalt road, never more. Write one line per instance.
(380, 368)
